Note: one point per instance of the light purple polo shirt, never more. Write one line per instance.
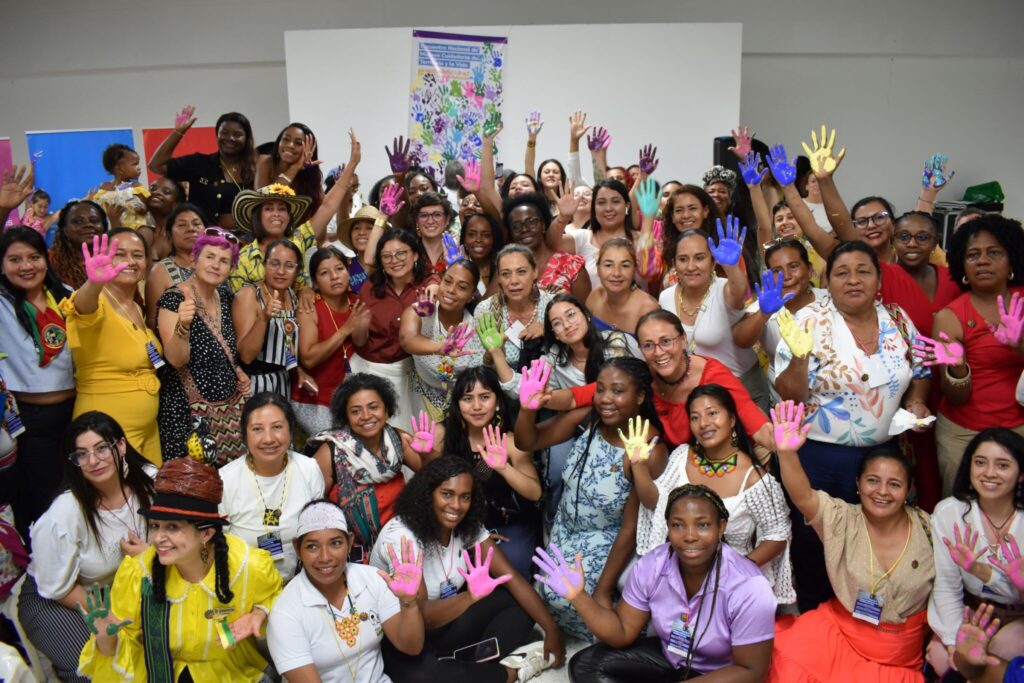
(744, 612)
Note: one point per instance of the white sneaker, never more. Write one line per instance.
(528, 661)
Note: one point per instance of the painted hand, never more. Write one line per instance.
(942, 352)
(769, 294)
(790, 432)
(934, 175)
(424, 431)
(398, 155)
(742, 137)
(564, 579)
(823, 163)
(390, 203)
(404, 581)
(494, 449)
(648, 162)
(1011, 321)
(97, 611)
(749, 166)
(478, 576)
(783, 171)
(452, 251)
(455, 341)
(1012, 565)
(532, 383)
(533, 124)
(491, 335)
(493, 125)
(100, 266)
(730, 242)
(185, 118)
(800, 340)
(648, 196)
(974, 635)
(637, 448)
(963, 547)
(599, 139)
(424, 305)
(470, 181)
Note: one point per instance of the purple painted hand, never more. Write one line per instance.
(478, 576)
(455, 341)
(790, 432)
(599, 139)
(561, 577)
(398, 155)
(532, 383)
(533, 124)
(389, 200)
(962, 547)
(404, 582)
(648, 162)
(494, 449)
(424, 432)
(945, 351)
(424, 305)
(99, 266)
(1012, 565)
(1011, 321)
(976, 630)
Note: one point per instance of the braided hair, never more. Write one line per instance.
(65, 257)
(220, 565)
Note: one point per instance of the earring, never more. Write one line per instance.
(204, 554)
(735, 439)
(497, 420)
(964, 279)
(1011, 274)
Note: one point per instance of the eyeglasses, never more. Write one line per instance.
(920, 238)
(104, 451)
(220, 232)
(431, 216)
(875, 219)
(531, 223)
(398, 256)
(569, 318)
(290, 266)
(665, 344)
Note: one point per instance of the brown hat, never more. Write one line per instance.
(366, 212)
(187, 489)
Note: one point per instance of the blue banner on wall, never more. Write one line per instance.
(71, 162)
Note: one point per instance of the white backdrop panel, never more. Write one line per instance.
(359, 78)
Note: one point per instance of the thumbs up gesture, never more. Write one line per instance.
(187, 309)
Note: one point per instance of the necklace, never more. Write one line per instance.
(131, 512)
(229, 174)
(124, 309)
(330, 312)
(271, 516)
(699, 307)
(346, 629)
(1000, 536)
(213, 321)
(714, 468)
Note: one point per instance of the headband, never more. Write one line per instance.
(320, 516)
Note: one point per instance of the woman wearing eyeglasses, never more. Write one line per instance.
(202, 392)
(432, 215)
(265, 324)
(83, 536)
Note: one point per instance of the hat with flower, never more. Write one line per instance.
(247, 201)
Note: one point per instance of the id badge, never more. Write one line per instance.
(290, 361)
(868, 607)
(448, 590)
(272, 544)
(154, 356)
(14, 425)
(877, 374)
(679, 639)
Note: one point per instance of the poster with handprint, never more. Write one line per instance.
(456, 92)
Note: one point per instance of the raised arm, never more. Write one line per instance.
(790, 435)
(489, 198)
(824, 165)
(182, 122)
(534, 123)
(333, 199)
(728, 253)
(933, 179)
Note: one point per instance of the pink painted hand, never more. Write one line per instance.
(389, 200)
(455, 341)
(478, 576)
(972, 639)
(404, 581)
(494, 449)
(184, 120)
(561, 577)
(1012, 565)
(1011, 321)
(99, 266)
(532, 383)
(424, 431)
(962, 547)
(470, 181)
(790, 432)
(742, 137)
(945, 351)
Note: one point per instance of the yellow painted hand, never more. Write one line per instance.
(822, 160)
(800, 340)
(636, 445)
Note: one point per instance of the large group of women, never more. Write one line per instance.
(728, 430)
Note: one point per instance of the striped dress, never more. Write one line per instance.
(269, 370)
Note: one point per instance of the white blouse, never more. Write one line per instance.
(246, 495)
(946, 604)
(771, 337)
(65, 552)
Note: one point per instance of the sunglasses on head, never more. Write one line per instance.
(221, 232)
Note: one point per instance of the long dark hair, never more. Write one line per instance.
(420, 267)
(129, 470)
(415, 504)
(721, 395)
(615, 186)
(594, 342)
(180, 208)
(16, 295)
(248, 152)
(456, 432)
(308, 182)
(497, 238)
(1001, 436)
(671, 232)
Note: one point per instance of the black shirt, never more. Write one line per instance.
(207, 187)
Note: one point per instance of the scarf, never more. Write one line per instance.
(47, 328)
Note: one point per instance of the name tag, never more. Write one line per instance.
(154, 356)
(448, 590)
(868, 607)
(679, 639)
(272, 544)
(877, 374)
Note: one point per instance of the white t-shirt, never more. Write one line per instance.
(586, 249)
(711, 333)
(65, 552)
(246, 495)
(301, 628)
(439, 565)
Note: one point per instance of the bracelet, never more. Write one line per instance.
(282, 175)
(178, 133)
(958, 381)
(926, 201)
(181, 331)
(530, 144)
(380, 221)
(411, 603)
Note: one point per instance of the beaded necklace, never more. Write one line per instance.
(346, 629)
(714, 468)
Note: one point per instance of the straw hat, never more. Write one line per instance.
(247, 201)
(365, 213)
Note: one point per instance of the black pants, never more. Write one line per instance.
(496, 616)
(641, 661)
(35, 479)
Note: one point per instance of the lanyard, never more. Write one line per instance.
(284, 494)
(871, 555)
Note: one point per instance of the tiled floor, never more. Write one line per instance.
(572, 646)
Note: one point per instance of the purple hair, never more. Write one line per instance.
(218, 240)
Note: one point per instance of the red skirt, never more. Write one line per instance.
(828, 644)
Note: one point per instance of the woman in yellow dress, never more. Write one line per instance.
(115, 354)
(187, 608)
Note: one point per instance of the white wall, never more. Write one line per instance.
(900, 80)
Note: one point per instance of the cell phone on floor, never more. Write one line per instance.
(484, 651)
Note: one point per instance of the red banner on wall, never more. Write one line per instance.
(202, 139)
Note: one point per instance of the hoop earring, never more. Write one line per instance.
(204, 554)
(496, 422)
(964, 279)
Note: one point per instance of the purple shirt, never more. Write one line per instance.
(744, 611)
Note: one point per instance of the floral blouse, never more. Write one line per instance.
(853, 397)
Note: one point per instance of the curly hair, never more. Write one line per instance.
(432, 198)
(113, 154)
(361, 381)
(415, 504)
(535, 199)
(66, 257)
(1006, 231)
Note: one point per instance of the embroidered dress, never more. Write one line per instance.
(588, 519)
(491, 305)
(427, 380)
(853, 396)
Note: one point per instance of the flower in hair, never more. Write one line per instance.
(278, 189)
